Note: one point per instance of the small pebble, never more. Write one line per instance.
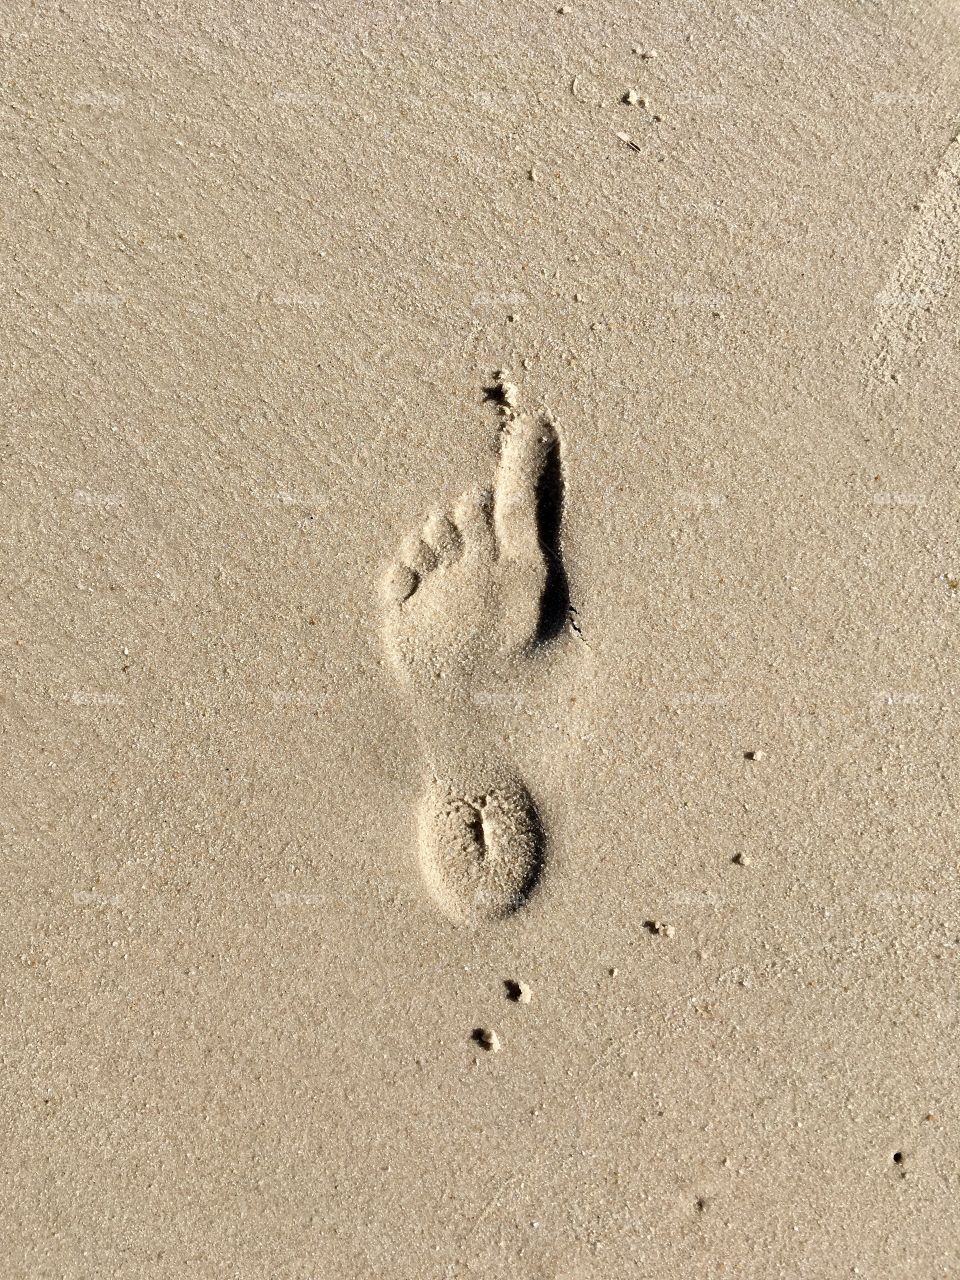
(487, 1039)
(518, 992)
(663, 930)
(753, 755)
(742, 859)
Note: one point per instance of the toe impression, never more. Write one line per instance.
(443, 538)
(528, 508)
(526, 448)
(473, 522)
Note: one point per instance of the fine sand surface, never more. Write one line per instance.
(481, 687)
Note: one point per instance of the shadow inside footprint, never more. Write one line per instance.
(555, 603)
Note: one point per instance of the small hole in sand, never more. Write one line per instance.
(898, 1157)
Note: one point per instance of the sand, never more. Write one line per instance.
(483, 518)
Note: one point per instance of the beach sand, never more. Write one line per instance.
(660, 722)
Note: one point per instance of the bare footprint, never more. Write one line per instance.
(473, 602)
(924, 275)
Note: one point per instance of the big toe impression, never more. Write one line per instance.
(527, 451)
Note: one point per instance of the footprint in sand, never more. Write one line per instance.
(472, 605)
(924, 277)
